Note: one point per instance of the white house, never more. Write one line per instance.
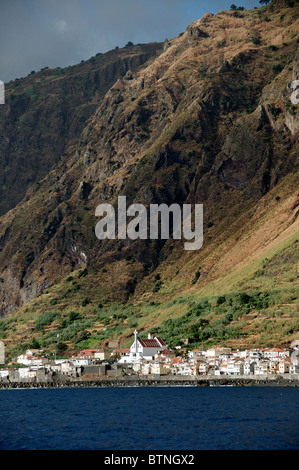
(284, 366)
(82, 362)
(294, 369)
(145, 368)
(24, 372)
(235, 367)
(120, 353)
(249, 365)
(195, 353)
(239, 353)
(214, 353)
(254, 354)
(181, 366)
(4, 373)
(225, 356)
(262, 368)
(102, 354)
(86, 354)
(34, 352)
(54, 367)
(201, 367)
(223, 367)
(275, 353)
(138, 365)
(30, 360)
(273, 367)
(160, 368)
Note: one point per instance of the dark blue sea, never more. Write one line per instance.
(150, 418)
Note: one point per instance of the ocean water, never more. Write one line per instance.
(150, 418)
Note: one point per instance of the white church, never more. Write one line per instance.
(143, 349)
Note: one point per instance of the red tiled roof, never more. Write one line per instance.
(86, 351)
(177, 360)
(165, 352)
(160, 341)
(152, 343)
(149, 343)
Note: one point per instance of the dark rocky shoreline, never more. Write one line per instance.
(150, 381)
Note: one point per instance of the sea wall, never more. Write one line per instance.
(145, 381)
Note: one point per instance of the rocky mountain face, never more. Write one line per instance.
(208, 120)
(46, 111)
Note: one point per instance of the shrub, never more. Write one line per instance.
(196, 277)
(73, 316)
(157, 286)
(83, 335)
(45, 319)
(221, 300)
(83, 273)
(61, 347)
(244, 298)
(256, 40)
(35, 344)
(277, 68)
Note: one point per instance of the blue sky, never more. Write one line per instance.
(39, 33)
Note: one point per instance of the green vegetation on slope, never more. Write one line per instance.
(265, 314)
(207, 121)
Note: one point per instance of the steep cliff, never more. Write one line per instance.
(209, 120)
(46, 112)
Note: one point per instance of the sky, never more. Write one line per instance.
(57, 33)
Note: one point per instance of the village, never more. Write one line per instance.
(152, 357)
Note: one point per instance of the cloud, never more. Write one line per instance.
(57, 33)
(60, 25)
